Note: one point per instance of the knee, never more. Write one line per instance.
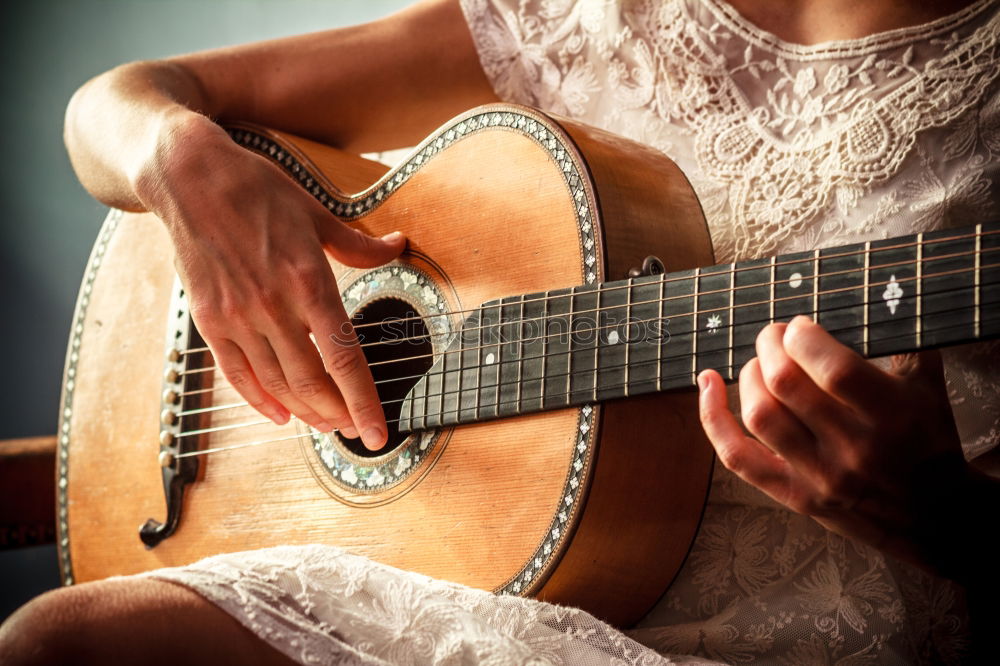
(128, 621)
(48, 630)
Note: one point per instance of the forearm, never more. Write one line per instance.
(121, 125)
(364, 88)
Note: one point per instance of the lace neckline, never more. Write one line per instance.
(851, 48)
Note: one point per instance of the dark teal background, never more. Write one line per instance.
(48, 48)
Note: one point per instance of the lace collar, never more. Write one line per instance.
(732, 20)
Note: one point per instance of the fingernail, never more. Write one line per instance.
(702, 382)
(372, 437)
(393, 237)
(279, 417)
(323, 426)
(350, 432)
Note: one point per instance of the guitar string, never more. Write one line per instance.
(501, 324)
(598, 345)
(684, 357)
(730, 271)
(459, 408)
(548, 299)
(694, 313)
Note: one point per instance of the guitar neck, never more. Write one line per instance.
(567, 347)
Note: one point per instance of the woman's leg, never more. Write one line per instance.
(129, 621)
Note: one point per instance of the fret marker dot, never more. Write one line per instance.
(795, 280)
(613, 338)
(490, 358)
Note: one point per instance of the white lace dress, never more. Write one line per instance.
(789, 148)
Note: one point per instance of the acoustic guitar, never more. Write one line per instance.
(531, 348)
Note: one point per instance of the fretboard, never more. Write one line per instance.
(550, 350)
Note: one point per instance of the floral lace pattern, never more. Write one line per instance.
(789, 148)
(320, 605)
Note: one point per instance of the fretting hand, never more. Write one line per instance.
(870, 454)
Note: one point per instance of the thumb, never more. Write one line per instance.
(353, 247)
(926, 365)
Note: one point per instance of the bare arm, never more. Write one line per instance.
(142, 137)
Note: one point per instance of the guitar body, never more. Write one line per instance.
(592, 506)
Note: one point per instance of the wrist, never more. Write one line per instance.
(186, 148)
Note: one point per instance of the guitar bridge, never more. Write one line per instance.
(184, 377)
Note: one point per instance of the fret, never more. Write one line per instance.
(490, 360)
(793, 286)
(627, 329)
(891, 296)
(732, 292)
(867, 303)
(557, 367)
(816, 274)
(661, 327)
(678, 339)
(713, 320)
(569, 348)
(545, 349)
(644, 334)
(583, 356)
(840, 288)
(433, 393)
(479, 365)
(597, 340)
(532, 352)
(774, 277)
(508, 356)
(466, 367)
(919, 287)
(520, 355)
(946, 308)
(989, 281)
(979, 249)
(612, 332)
(420, 403)
(695, 315)
(451, 380)
(753, 308)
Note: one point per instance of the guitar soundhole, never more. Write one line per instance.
(398, 348)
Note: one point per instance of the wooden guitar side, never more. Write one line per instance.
(486, 503)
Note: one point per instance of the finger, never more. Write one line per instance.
(272, 379)
(790, 385)
(346, 363)
(306, 376)
(236, 369)
(745, 456)
(836, 369)
(773, 424)
(353, 247)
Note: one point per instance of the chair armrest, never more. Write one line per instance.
(27, 491)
